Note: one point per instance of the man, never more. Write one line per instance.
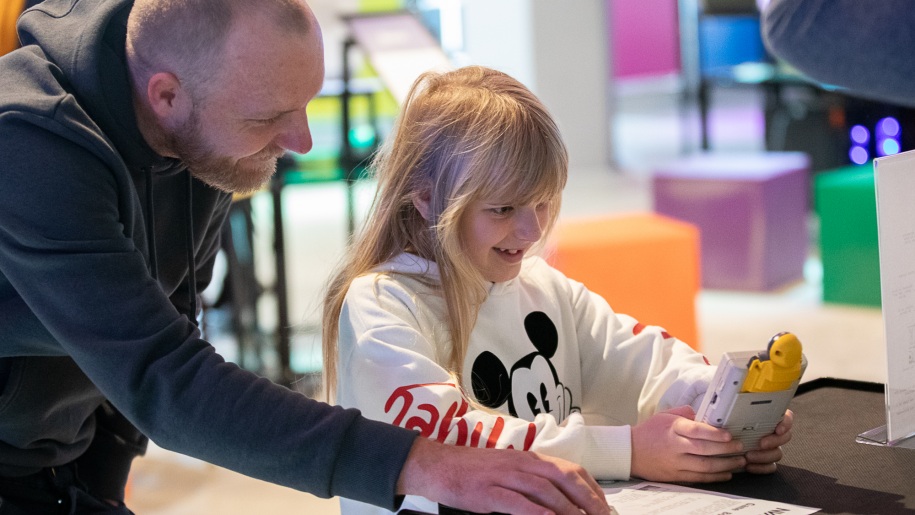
(124, 128)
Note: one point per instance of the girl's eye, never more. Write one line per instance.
(502, 210)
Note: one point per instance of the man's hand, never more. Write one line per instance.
(491, 480)
(671, 446)
(762, 460)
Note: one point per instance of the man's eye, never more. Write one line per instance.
(265, 121)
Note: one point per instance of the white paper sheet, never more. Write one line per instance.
(895, 187)
(648, 498)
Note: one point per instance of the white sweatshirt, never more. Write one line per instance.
(564, 375)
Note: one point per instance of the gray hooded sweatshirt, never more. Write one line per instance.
(103, 247)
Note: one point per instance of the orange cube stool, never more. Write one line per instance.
(644, 264)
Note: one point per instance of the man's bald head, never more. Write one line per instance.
(187, 37)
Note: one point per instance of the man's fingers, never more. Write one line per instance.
(506, 500)
(573, 485)
(548, 494)
(591, 499)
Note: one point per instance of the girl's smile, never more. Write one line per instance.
(497, 236)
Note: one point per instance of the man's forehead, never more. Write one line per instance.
(264, 77)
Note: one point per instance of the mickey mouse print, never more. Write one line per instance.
(531, 386)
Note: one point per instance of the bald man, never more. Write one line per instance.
(125, 127)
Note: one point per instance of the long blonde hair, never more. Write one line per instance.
(461, 135)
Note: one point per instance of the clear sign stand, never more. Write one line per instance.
(894, 178)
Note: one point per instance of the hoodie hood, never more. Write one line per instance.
(413, 265)
(85, 40)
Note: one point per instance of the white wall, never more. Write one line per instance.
(559, 49)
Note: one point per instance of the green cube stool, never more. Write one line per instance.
(847, 208)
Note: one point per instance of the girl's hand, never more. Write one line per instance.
(671, 446)
(762, 460)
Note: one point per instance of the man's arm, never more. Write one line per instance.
(87, 282)
(863, 46)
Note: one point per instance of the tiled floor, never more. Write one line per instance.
(840, 341)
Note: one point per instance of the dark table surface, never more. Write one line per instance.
(824, 467)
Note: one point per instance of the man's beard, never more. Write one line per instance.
(246, 175)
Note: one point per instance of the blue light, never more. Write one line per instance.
(890, 147)
(888, 126)
(361, 136)
(860, 134)
(858, 155)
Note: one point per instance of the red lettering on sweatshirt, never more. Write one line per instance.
(454, 411)
(461, 433)
(475, 437)
(426, 417)
(495, 433)
(529, 438)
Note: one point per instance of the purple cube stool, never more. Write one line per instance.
(751, 210)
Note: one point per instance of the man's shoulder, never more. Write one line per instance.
(30, 83)
(35, 98)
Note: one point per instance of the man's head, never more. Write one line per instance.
(223, 84)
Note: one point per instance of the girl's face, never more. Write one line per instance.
(497, 235)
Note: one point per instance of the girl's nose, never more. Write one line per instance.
(529, 227)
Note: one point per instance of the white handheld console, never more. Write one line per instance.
(751, 390)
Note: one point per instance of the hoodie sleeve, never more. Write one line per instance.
(390, 369)
(865, 47)
(647, 369)
(66, 250)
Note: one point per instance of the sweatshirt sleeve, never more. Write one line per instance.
(64, 247)
(389, 369)
(646, 369)
(865, 47)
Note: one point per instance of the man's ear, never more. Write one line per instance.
(170, 102)
(422, 201)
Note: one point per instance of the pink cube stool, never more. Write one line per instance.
(751, 210)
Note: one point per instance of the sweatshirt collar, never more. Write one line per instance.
(406, 263)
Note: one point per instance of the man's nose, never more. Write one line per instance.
(296, 136)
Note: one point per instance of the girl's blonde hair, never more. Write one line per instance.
(462, 136)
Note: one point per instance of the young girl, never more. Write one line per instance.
(442, 319)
